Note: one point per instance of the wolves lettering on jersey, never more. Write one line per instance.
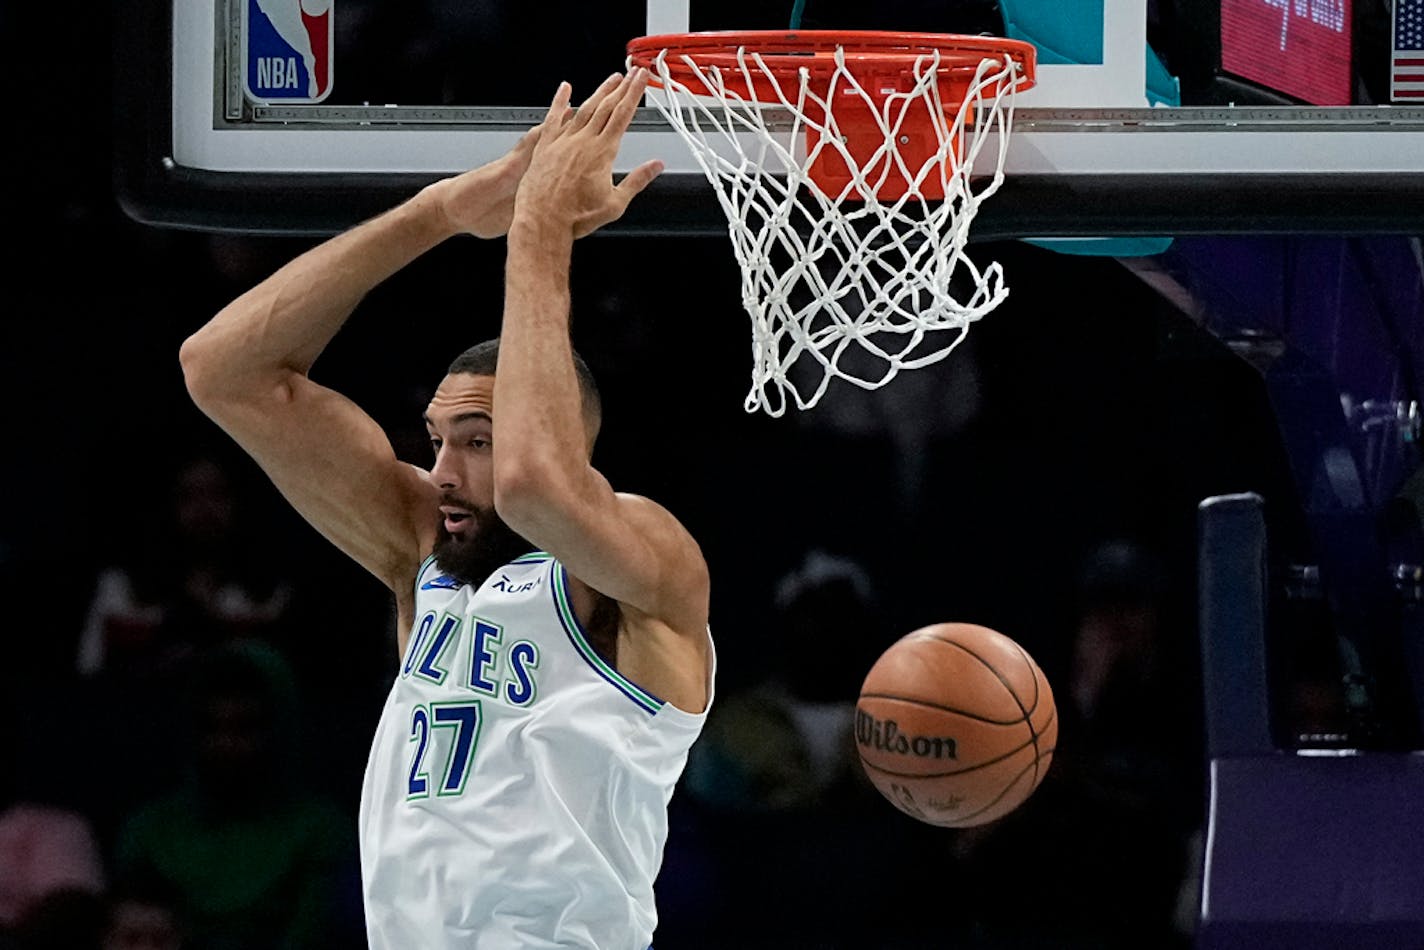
(440, 631)
(520, 770)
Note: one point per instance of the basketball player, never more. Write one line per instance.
(555, 658)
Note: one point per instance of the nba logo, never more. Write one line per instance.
(286, 48)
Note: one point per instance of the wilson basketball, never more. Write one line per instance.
(956, 724)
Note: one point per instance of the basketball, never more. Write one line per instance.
(955, 725)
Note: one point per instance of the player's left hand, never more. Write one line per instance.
(481, 201)
(570, 176)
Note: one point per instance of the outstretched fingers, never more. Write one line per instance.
(558, 112)
(577, 148)
(623, 103)
(638, 179)
(588, 112)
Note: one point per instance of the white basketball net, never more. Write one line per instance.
(845, 285)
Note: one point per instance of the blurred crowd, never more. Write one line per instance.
(165, 790)
(188, 780)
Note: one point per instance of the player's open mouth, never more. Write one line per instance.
(457, 520)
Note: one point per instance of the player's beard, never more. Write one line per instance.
(489, 547)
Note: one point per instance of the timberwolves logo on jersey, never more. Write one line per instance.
(287, 47)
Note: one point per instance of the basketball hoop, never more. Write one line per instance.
(843, 162)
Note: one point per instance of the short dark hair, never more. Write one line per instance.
(483, 358)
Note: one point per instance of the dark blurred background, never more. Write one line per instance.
(191, 676)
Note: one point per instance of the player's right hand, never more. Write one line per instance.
(570, 176)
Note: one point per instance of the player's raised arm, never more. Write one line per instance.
(247, 370)
(624, 547)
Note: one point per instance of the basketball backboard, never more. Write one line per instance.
(1193, 116)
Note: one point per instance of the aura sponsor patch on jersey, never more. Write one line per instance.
(287, 48)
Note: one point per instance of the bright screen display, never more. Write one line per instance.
(1300, 48)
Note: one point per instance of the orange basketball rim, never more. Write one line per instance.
(866, 88)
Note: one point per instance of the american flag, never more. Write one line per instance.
(1407, 65)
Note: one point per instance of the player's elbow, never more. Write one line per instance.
(217, 380)
(526, 490)
(517, 486)
(199, 373)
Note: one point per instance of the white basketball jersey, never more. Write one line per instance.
(517, 789)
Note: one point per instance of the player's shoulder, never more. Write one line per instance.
(648, 510)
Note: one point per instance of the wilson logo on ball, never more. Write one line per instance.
(887, 737)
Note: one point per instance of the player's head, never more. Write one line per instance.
(483, 358)
(472, 539)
